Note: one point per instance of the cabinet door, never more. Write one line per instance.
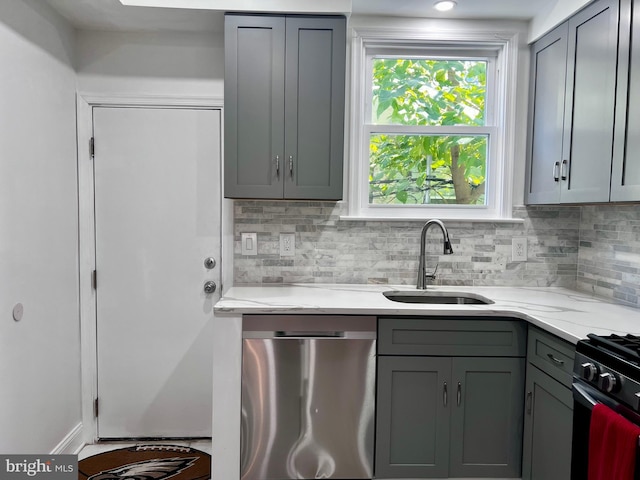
(254, 106)
(546, 117)
(590, 102)
(412, 425)
(486, 417)
(625, 174)
(547, 428)
(314, 117)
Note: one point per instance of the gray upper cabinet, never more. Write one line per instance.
(546, 116)
(625, 176)
(569, 160)
(284, 106)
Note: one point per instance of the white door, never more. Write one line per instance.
(157, 218)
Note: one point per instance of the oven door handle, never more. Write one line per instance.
(581, 396)
(588, 397)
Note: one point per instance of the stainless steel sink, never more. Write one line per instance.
(439, 298)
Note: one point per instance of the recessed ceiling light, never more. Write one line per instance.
(444, 5)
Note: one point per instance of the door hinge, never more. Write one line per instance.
(92, 147)
(95, 408)
(94, 280)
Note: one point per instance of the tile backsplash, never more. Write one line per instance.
(609, 254)
(331, 250)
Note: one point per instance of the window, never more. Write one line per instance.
(429, 129)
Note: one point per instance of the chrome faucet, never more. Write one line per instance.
(422, 274)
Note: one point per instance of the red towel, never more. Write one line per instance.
(613, 442)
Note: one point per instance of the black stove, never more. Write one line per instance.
(606, 371)
(611, 364)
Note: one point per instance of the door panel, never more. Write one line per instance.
(548, 428)
(254, 106)
(548, 66)
(625, 176)
(412, 438)
(486, 418)
(314, 99)
(297, 420)
(589, 110)
(157, 207)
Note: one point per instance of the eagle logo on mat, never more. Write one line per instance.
(147, 462)
(156, 469)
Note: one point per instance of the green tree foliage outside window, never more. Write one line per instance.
(422, 168)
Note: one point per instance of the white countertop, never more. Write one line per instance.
(569, 314)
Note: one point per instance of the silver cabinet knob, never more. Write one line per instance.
(209, 263)
(209, 287)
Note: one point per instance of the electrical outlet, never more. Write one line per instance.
(249, 243)
(519, 249)
(287, 244)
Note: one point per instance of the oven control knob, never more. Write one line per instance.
(608, 382)
(589, 371)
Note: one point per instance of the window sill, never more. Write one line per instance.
(352, 218)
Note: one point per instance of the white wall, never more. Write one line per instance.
(151, 63)
(40, 355)
(553, 13)
(177, 64)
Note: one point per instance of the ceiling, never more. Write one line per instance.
(112, 15)
(513, 9)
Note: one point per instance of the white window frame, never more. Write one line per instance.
(497, 47)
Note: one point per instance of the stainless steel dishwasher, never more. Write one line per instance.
(308, 385)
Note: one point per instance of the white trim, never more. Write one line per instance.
(72, 443)
(96, 99)
(84, 105)
(478, 219)
(502, 142)
(226, 415)
(371, 128)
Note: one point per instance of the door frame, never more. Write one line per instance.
(86, 234)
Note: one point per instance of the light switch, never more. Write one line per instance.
(249, 243)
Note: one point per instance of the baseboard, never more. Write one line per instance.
(72, 443)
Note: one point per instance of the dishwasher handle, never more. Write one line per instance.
(307, 334)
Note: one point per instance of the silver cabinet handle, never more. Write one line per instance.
(209, 263)
(556, 171)
(277, 165)
(555, 360)
(444, 394)
(563, 171)
(209, 287)
(529, 399)
(291, 165)
(459, 394)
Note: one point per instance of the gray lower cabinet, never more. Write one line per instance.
(548, 423)
(284, 106)
(571, 129)
(547, 428)
(449, 417)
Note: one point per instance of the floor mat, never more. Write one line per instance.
(147, 462)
